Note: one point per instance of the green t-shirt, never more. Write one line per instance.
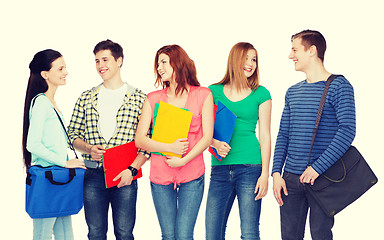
(245, 148)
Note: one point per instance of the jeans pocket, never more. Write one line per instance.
(286, 175)
(88, 173)
(213, 168)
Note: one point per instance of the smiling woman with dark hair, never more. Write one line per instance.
(44, 139)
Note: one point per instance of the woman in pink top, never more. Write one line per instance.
(177, 184)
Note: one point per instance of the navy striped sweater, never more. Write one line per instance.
(336, 130)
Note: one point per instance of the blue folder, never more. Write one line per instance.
(225, 121)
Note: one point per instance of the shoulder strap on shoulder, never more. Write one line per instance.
(320, 111)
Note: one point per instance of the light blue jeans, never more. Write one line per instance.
(60, 227)
(177, 209)
(228, 182)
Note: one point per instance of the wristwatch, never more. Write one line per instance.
(133, 170)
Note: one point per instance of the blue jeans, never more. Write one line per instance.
(96, 205)
(60, 227)
(177, 209)
(293, 213)
(227, 182)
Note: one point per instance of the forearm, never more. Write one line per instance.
(215, 143)
(265, 148)
(82, 146)
(139, 161)
(207, 125)
(146, 143)
(200, 146)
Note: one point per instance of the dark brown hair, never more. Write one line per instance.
(42, 61)
(312, 38)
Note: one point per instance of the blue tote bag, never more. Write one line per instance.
(54, 191)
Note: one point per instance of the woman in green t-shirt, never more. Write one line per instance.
(244, 169)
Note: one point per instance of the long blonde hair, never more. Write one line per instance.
(235, 68)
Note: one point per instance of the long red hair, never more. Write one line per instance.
(184, 68)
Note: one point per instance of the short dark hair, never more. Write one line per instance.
(310, 38)
(115, 48)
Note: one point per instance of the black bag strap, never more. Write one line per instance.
(61, 121)
(49, 176)
(319, 112)
(62, 124)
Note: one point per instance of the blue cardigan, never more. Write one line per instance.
(336, 130)
(46, 139)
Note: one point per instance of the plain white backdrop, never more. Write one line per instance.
(206, 30)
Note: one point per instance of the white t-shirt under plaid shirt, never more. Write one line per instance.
(85, 119)
(109, 102)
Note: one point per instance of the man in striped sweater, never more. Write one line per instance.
(335, 134)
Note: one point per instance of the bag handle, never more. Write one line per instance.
(314, 132)
(49, 176)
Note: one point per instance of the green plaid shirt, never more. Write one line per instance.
(85, 118)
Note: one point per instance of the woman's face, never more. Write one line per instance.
(56, 76)
(164, 68)
(250, 63)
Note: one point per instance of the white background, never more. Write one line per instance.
(206, 30)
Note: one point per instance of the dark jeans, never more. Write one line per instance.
(228, 182)
(294, 213)
(96, 205)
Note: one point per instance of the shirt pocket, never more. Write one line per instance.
(195, 124)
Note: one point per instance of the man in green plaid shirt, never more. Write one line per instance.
(107, 116)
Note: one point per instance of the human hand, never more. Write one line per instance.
(222, 148)
(125, 177)
(309, 176)
(278, 185)
(175, 161)
(75, 163)
(96, 152)
(180, 146)
(261, 187)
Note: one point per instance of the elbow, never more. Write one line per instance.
(31, 146)
(139, 142)
(208, 140)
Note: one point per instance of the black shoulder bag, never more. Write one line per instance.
(346, 180)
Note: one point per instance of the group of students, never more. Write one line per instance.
(114, 113)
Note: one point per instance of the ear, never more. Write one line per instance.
(44, 74)
(120, 61)
(312, 51)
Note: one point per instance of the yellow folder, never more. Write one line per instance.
(172, 123)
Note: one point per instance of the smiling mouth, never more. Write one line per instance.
(102, 71)
(248, 69)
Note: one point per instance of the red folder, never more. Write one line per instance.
(117, 159)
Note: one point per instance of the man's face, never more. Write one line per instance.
(106, 65)
(299, 55)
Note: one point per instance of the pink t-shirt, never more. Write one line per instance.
(160, 172)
